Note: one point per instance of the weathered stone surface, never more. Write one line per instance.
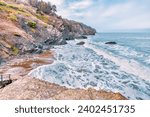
(29, 89)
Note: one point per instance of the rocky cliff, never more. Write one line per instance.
(25, 29)
(28, 28)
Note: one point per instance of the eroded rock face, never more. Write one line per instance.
(13, 41)
(29, 88)
(78, 30)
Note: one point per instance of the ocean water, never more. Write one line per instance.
(124, 67)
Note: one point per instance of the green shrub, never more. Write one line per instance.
(45, 7)
(2, 4)
(13, 7)
(44, 18)
(32, 24)
(15, 50)
(21, 9)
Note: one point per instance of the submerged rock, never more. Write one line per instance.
(81, 43)
(111, 43)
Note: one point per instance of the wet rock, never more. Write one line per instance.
(66, 34)
(111, 43)
(61, 42)
(52, 41)
(81, 43)
(81, 37)
(49, 41)
(39, 51)
(70, 37)
(33, 49)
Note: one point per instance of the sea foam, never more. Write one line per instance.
(83, 67)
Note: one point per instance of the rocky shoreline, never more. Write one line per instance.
(26, 36)
(24, 87)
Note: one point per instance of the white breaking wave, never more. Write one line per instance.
(129, 66)
(83, 67)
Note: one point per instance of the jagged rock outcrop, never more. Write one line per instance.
(78, 30)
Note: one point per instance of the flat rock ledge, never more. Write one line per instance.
(33, 89)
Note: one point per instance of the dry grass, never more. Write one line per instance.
(13, 10)
(44, 18)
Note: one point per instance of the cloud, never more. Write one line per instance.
(56, 2)
(83, 4)
(107, 15)
(130, 15)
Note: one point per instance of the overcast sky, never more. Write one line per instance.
(107, 15)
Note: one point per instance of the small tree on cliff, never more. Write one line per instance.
(45, 7)
(54, 8)
(33, 2)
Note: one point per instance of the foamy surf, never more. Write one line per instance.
(129, 66)
(83, 67)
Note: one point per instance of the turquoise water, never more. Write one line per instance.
(123, 68)
(129, 45)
